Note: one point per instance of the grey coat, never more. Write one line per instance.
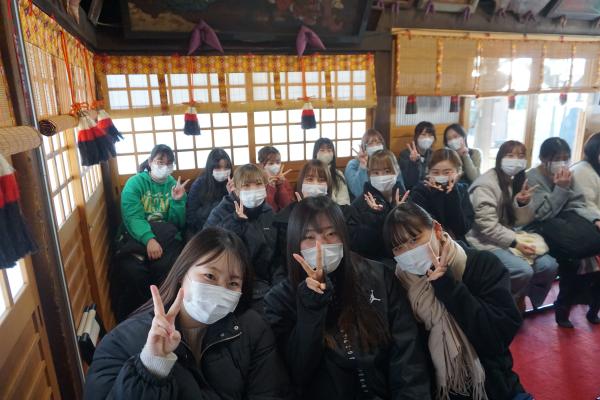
(490, 229)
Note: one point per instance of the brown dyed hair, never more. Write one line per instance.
(248, 173)
(209, 244)
(312, 168)
(370, 133)
(383, 159)
(446, 155)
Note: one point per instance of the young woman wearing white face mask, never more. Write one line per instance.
(366, 214)
(246, 213)
(463, 299)
(208, 189)
(415, 158)
(442, 194)
(455, 138)
(342, 323)
(324, 151)
(569, 227)
(501, 198)
(197, 338)
(153, 211)
(279, 191)
(356, 171)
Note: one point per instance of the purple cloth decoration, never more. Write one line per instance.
(307, 37)
(204, 34)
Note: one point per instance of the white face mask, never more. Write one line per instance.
(209, 303)
(512, 166)
(161, 172)
(221, 176)
(416, 261)
(441, 179)
(456, 143)
(331, 256)
(325, 158)
(383, 183)
(425, 143)
(314, 190)
(253, 198)
(556, 166)
(374, 148)
(273, 169)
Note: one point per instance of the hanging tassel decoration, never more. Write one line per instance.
(453, 104)
(308, 117)
(106, 124)
(562, 98)
(14, 234)
(411, 104)
(203, 34)
(512, 99)
(191, 127)
(93, 144)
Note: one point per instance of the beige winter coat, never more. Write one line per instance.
(587, 181)
(490, 229)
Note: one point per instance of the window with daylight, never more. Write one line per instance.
(11, 284)
(60, 175)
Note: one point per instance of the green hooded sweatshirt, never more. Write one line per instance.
(144, 200)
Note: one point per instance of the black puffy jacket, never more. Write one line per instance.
(365, 225)
(483, 307)
(257, 232)
(397, 370)
(198, 208)
(453, 210)
(239, 361)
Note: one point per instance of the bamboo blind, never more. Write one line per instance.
(437, 63)
(6, 113)
(235, 83)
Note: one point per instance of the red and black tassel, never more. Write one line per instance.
(308, 117)
(94, 145)
(191, 126)
(108, 127)
(411, 105)
(562, 98)
(14, 234)
(512, 99)
(453, 104)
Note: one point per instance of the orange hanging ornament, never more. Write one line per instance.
(191, 126)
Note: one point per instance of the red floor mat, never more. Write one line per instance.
(556, 363)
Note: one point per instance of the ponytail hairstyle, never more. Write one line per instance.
(337, 179)
(157, 151)
(368, 135)
(351, 311)
(212, 190)
(506, 182)
(591, 152)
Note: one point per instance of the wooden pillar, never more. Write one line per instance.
(39, 216)
(383, 77)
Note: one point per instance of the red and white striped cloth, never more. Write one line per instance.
(15, 239)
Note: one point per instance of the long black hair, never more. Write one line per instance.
(553, 147)
(591, 151)
(212, 190)
(212, 242)
(157, 151)
(456, 128)
(354, 313)
(405, 222)
(506, 182)
(335, 177)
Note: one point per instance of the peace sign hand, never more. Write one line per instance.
(298, 197)
(398, 200)
(432, 184)
(163, 338)
(361, 156)
(414, 153)
(452, 179)
(239, 210)
(524, 196)
(316, 277)
(372, 203)
(178, 190)
(230, 186)
(439, 266)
